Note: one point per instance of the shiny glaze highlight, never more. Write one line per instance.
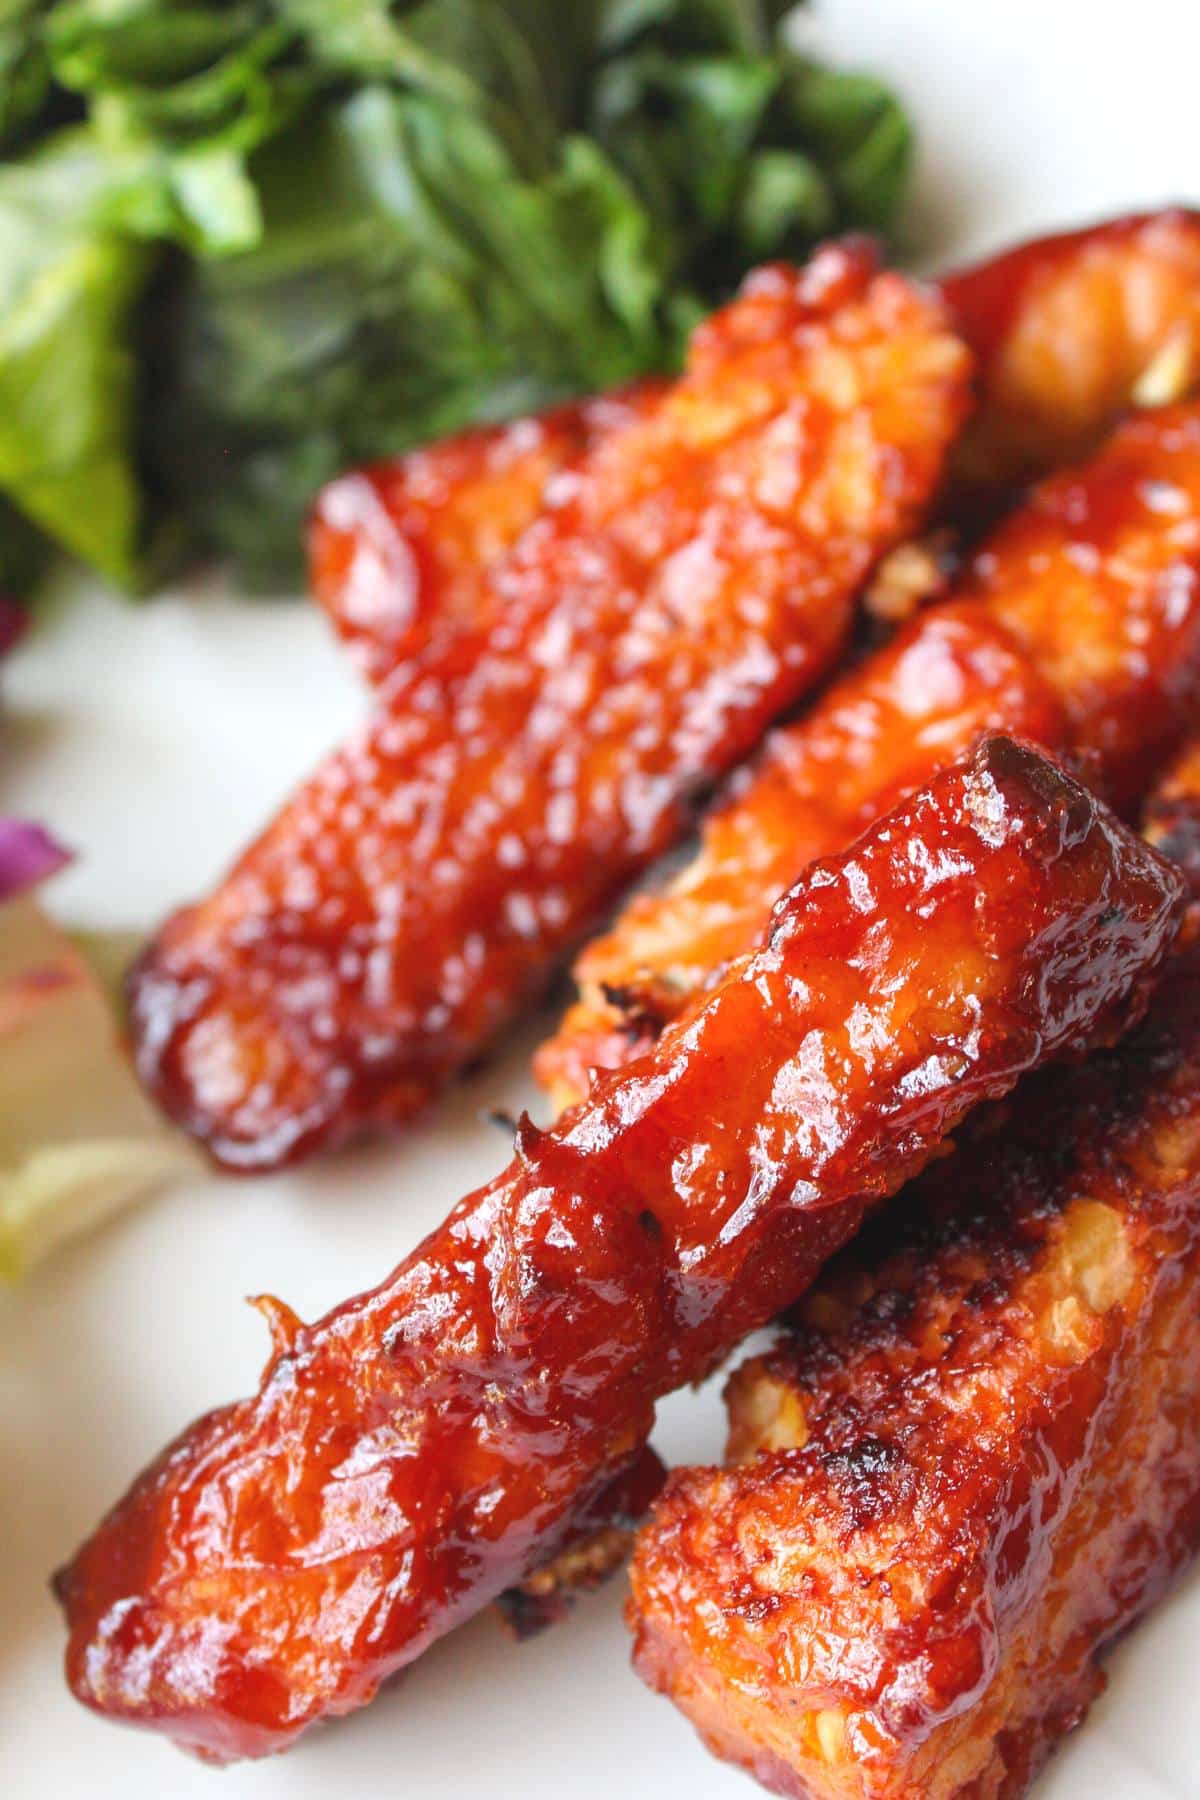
(401, 552)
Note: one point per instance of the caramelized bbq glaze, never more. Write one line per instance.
(425, 1446)
(401, 550)
(423, 884)
(972, 1465)
(1077, 624)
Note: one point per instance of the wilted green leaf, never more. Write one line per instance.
(24, 68)
(409, 280)
(67, 371)
(387, 221)
(857, 131)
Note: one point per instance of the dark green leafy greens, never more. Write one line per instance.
(245, 243)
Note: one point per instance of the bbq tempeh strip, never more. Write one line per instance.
(1078, 624)
(1071, 331)
(425, 1446)
(974, 1463)
(402, 550)
(425, 882)
(1067, 331)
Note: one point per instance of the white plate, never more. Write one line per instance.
(154, 740)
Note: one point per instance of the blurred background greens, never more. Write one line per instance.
(244, 244)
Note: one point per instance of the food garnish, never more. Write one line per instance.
(78, 1139)
(244, 246)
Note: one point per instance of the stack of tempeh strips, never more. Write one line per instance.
(976, 1456)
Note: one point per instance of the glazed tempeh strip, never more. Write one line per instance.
(976, 1459)
(426, 881)
(1077, 624)
(422, 1448)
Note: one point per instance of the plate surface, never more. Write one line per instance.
(155, 740)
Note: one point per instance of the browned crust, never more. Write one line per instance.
(974, 1463)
